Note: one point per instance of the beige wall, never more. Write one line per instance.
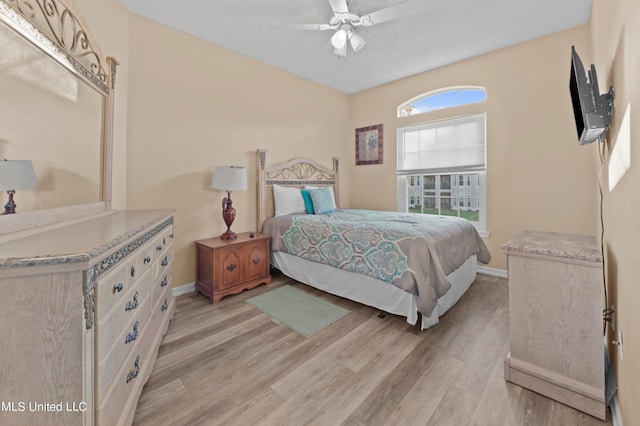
(194, 105)
(615, 34)
(184, 106)
(537, 175)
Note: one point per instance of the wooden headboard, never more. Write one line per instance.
(297, 172)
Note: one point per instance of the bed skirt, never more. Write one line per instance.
(372, 292)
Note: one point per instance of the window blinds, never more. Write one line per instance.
(454, 146)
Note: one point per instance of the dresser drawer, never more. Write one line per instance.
(111, 289)
(112, 353)
(162, 263)
(111, 326)
(128, 381)
(162, 283)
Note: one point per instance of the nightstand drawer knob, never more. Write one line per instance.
(147, 259)
(165, 305)
(118, 288)
(256, 260)
(231, 267)
(165, 261)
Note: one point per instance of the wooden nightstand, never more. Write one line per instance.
(227, 267)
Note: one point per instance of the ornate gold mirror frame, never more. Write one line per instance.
(58, 31)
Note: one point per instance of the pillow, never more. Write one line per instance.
(322, 200)
(288, 200)
(330, 188)
(308, 202)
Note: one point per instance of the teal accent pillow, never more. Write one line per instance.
(322, 200)
(308, 202)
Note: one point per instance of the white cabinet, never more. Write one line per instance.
(556, 299)
(84, 308)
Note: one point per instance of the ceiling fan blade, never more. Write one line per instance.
(339, 6)
(312, 27)
(410, 7)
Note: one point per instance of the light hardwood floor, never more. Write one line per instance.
(230, 364)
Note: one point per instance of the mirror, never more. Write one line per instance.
(55, 107)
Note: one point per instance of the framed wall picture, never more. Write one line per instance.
(369, 145)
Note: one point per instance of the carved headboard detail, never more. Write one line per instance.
(297, 172)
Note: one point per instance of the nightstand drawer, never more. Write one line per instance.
(230, 262)
(257, 256)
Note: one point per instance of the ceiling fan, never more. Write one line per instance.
(345, 23)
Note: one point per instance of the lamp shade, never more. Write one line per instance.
(17, 174)
(229, 178)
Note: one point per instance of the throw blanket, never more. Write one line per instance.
(411, 251)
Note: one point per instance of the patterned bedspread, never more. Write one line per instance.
(414, 252)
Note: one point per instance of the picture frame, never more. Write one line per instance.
(369, 145)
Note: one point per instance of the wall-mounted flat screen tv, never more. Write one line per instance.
(592, 111)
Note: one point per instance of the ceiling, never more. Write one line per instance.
(434, 34)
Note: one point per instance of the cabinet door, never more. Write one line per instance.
(229, 268)
(257, 259)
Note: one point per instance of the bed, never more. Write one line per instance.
(415, 266)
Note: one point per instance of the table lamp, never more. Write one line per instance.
(229, 178)
(16, 174)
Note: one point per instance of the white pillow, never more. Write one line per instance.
(333, 196)
(288, 200)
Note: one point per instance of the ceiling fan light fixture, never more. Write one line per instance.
(339, 39)
(357, 42)
(342, 52)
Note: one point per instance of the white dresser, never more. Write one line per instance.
(556, 298)
(83, 308)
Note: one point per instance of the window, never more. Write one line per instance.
(441, 99)
(441, 168)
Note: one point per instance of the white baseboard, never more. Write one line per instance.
(184, 289)
(494, 272)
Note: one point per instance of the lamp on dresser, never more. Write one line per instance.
(16, 174)
(229, 178)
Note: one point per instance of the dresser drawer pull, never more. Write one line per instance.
(136, 370)
(117, 288)
(165, 261)
(132, 304)
(147, 260)
(164, 306)
(231, 267)
(133, 271)
(164, 282)
(131, 337)
(256, 260)
(158, 248)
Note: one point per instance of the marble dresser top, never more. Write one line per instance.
(578, 247)
(79, 242)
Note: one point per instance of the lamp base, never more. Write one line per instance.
(10, 207)
(228, 235)
(228, 214)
